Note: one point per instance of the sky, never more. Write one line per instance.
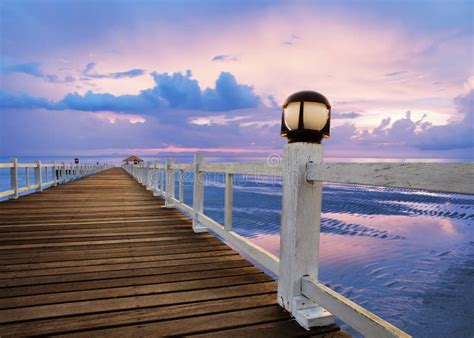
(178, 77)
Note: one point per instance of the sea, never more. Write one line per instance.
(406, 255)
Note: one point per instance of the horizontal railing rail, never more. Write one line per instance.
(45, 175)
(161, 179)
(438, 177)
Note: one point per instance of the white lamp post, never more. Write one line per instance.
(305, 122)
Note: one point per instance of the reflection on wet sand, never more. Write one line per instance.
(386, 249)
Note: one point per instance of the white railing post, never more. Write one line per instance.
(38, 176)
(14, 177)
(142, 172)
(155, 180)
(229, 200)
(299, 235)
(55, 174)
(181, 186)
(198, 194)
(27, 175)
(63, 172)
(149, 176)
(170, 182)
(162, 181)
(145, 174)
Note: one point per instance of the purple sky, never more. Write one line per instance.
(154, 77)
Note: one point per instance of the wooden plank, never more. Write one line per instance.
(189, 241)
(112, 267)
(98, 306)
(197, 324)
(114, 260)
(106, 222)
(128, 291)
(86, 276)
(80, 257)
(134, 316)
(284, 328)
(121, 241)
(128, 280)
(442, 177)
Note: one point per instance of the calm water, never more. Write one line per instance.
(408, 256)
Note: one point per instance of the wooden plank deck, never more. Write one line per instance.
(102, 257)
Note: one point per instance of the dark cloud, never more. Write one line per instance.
(455, 135)
(34, 69)
(177, 91)
(395, 73)
(291, 40)
(351, 115)
(225, 58)
(90, 73)
(103, 102)
(30, 68)
(456, 138)
(229, 95)
(8, 100)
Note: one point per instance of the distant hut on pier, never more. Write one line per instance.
(133, 159)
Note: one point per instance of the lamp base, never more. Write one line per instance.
(309, 136)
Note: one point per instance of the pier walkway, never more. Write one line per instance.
(102, 256)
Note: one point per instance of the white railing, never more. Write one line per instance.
(45, 175)
(299, 291)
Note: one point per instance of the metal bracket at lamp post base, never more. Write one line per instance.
(309, 314)
(197, 226)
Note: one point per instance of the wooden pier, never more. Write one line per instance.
(118, 252)
(102, 256)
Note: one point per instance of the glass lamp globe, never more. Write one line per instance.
(306, 117)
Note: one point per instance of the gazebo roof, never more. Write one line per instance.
(132, 158)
